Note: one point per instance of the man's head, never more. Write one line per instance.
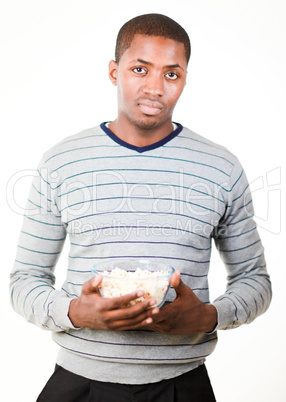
(151, 25)
(150, 71)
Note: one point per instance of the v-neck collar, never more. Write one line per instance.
(157, 144)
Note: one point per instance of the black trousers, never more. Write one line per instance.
(64, 386)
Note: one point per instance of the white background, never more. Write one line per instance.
(54, 83)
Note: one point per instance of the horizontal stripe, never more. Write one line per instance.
(68, 293)
(118, 146)
(142, 212)
(114, 157)
(243, 262)
(79, 271)
(242, 193)
(74, 284)
(254, 288)
(241, 220)
(82, 138)
(82, 271)
(152, 171)
(132, 358)
(238, 297)
(139, 256)
(141, 227)
(237, 235)
(200, 152)
(32, 290)
(214, 338)
(244, 206)
(42, 238)
(259, 283)
(38, 252)
(142, 184)
(239, 249)
(44, 223)
(35, 265)
(141, 198)
(80, 149)
(140, 242)
(26, 275)
(39, 206)
(208, 144)
(81, 284)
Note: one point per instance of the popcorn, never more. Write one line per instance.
(119, 282)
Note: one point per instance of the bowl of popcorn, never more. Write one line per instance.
(122, 276)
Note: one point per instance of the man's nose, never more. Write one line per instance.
(154, 85)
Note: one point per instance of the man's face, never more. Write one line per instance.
(150, 78)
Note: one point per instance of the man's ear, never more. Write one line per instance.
(113, 66)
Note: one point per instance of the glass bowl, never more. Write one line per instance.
(122, 276)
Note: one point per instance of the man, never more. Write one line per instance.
(140, 186)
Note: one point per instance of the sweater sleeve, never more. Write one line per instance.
(40, 244)
(248, 292)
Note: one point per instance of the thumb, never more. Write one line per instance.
(91, 285)
(177, 282)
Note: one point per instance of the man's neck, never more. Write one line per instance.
(140, 137)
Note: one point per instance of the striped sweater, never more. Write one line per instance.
(166, 201)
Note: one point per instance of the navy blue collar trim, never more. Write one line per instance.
(141, 149)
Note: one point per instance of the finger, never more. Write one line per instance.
(177, 283)
(138, 309)
(118, 302)
(156, 327)
(132, 323)
(176, 279)
(135, 326)
(91, 285)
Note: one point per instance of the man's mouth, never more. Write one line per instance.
(151, 108)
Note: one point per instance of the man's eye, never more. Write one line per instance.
(172, 76)
(139, 70)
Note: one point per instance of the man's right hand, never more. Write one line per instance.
(90, 310)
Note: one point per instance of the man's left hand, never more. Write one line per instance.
(186, 314)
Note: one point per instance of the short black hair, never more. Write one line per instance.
(151, 25)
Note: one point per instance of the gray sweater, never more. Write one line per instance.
(167, 202)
